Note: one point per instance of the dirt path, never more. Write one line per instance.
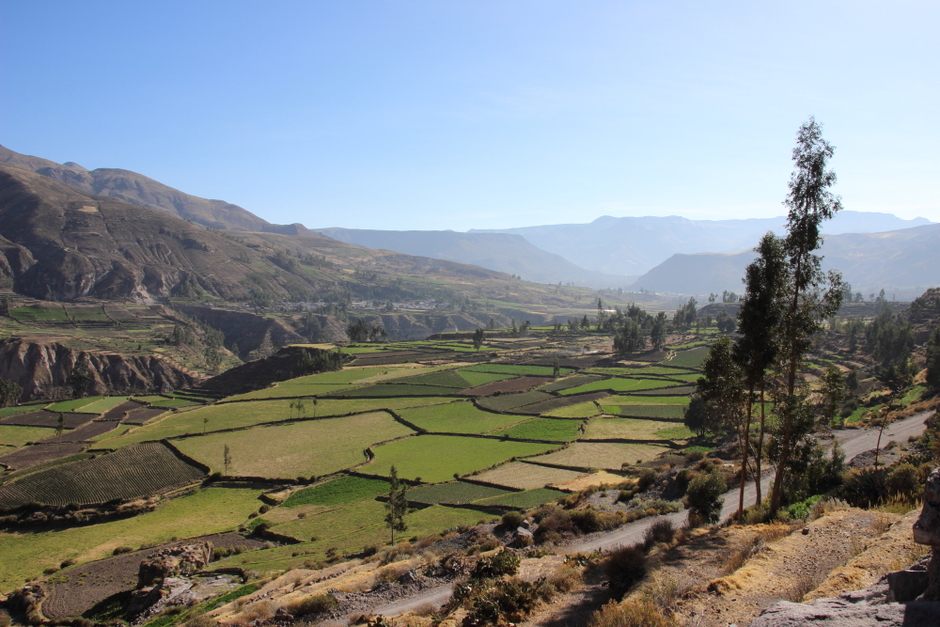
(798, 563)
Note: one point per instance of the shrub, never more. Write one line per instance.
(904, 482)
(507, 602)
(67, 563)
(555, 526)
(511, 520)
(586, 520)
(659, 531)
(200, 621)
(625, 566)
(503, 563)
(121, 550)
(646, 480)
(704, 498)
(865, 487)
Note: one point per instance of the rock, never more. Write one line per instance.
(927, 531)
(173, 561)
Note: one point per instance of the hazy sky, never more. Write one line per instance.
(454, 115)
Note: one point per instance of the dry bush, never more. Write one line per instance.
(200, 621)
(803, 585)
(565, 578)
(313, 604)
(881, 523)
(392, 573)
(4, 619)
(738, 558)
(659, 531)
(632, 613)
(775, 531)
(263, 609)
(663, 591)
(625, 566)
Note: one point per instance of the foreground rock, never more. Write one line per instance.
(908, 598)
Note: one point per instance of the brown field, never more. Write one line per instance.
(117, 412)
(83, 434)
(525, 476)
(44, 418)
(39, 453)
(140, 416)
(602, 455)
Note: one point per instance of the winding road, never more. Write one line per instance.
(854, 441)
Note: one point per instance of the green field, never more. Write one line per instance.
(458, 417)
(665, 412)
(475, 378)
(647, 400)
(339, 491)
(12, 435)
(524, 500)
(22, 409)
(307, 448)
(74, 404)
(453, 492)
(693, 358)
(437, 458)
(39, 313)
(569, 382)
(552, 429)
(103, 405)
(26, 555)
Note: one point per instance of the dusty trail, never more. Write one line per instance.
(853, 442)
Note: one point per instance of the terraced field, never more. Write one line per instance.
(305, 448)
(564, 427)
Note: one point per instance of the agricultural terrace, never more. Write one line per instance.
(457, 417)
(303, 448)
(102, 405)
(436, 458)
(521, 412)
(526, 476)
(210, 510)
(602, 455)
(129, 473)
(634, 429)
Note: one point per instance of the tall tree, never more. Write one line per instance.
(478, 337)
(658, 331)
(721, 389)
(10, 392)
(79, 379)
(812, 296)
(397, 505)
(759, 322)
(933, 360)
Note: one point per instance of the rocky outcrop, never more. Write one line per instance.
(43, 370)
(908, 598)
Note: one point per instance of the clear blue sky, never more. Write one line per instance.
(455, 115)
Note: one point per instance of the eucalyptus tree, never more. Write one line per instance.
(811, 295)
(759, 323)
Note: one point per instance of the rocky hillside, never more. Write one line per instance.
(43, 370)
(139, 190)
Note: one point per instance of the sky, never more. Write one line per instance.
(458, 115)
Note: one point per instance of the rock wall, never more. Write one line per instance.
(43, 370)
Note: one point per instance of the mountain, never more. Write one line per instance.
(634, 245)
(906, 260)
(58, 243)
(139, 190)
(502, 252)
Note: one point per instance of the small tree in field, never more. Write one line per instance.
(397, 505)
(478, 337)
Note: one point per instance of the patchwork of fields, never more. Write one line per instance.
(470, 439)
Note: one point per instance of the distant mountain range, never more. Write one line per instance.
(636, 245)
(906, 261)
(504, 252)
(661, 254)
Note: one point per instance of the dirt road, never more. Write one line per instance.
(854, 441)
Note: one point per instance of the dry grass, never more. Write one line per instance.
(639, 612)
